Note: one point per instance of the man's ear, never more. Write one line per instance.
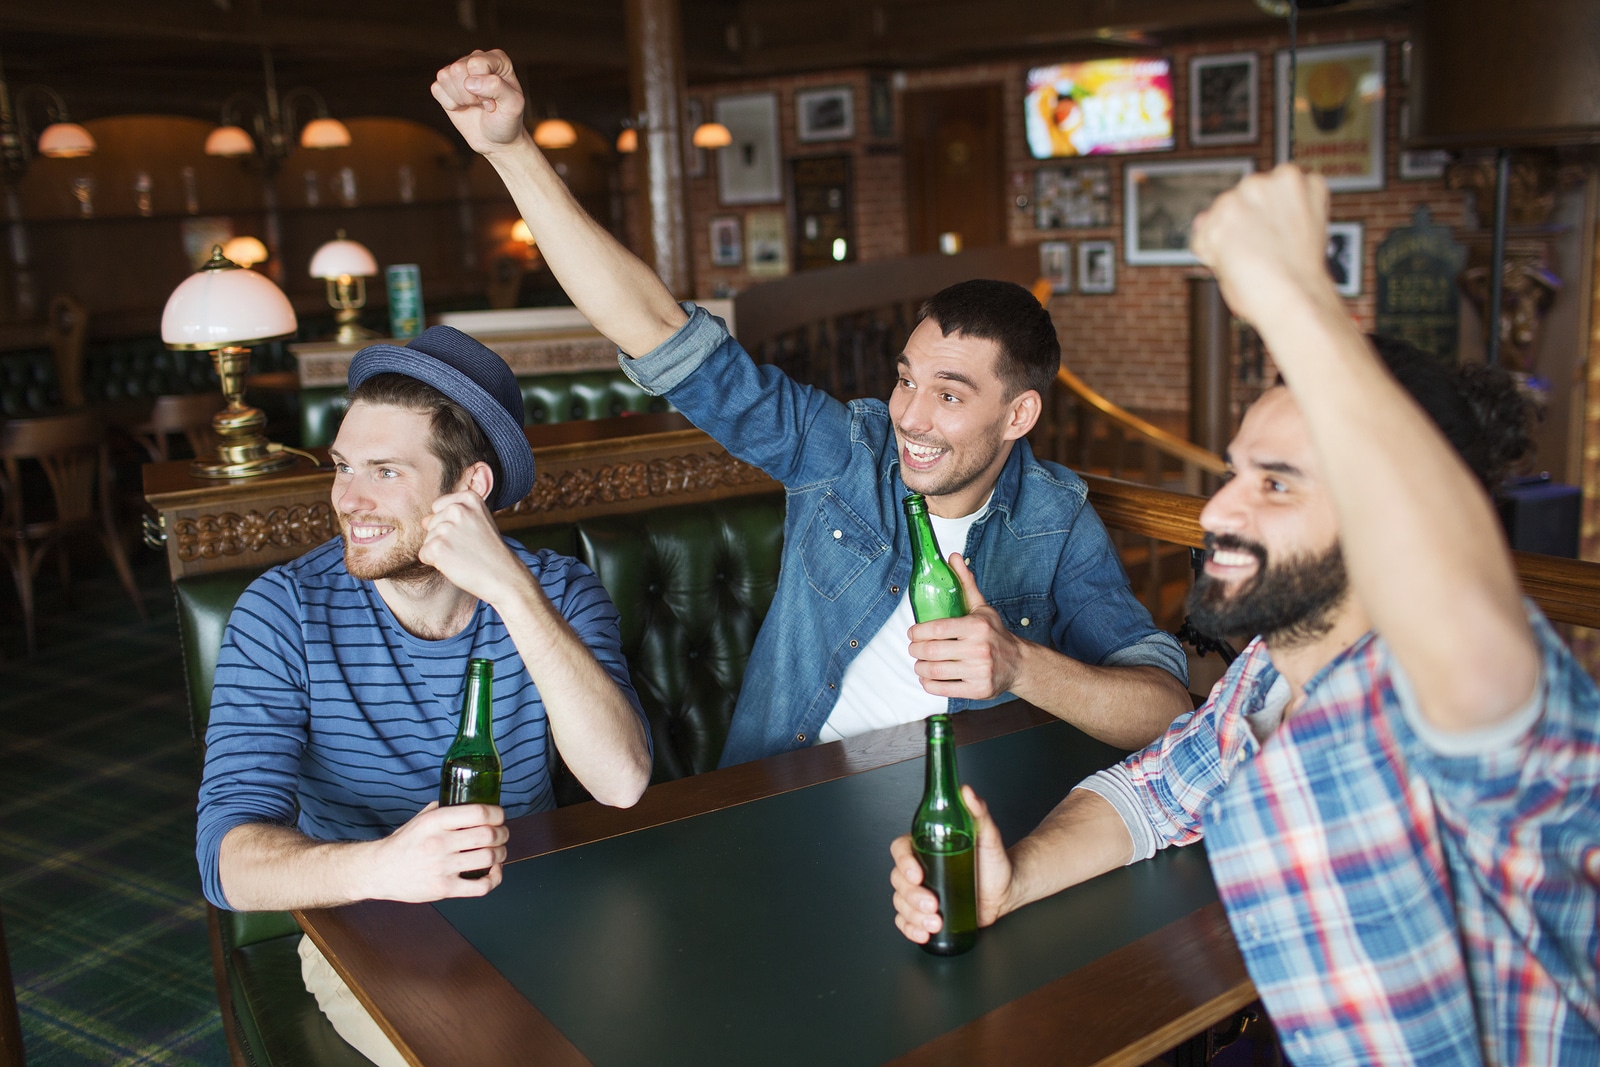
(479, 478)
(1024, 411)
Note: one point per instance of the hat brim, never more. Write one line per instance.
(505, 434)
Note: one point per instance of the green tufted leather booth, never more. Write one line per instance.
(546, 398)
(692, 584)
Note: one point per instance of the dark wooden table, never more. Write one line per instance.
(446, 1004)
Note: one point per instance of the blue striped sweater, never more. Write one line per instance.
(327, 715)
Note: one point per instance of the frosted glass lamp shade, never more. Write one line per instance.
(712, 135)
(221, 304)
(65, 140)
(229, 141)
(555, 133)
(325, 133)
(343, 258)
(245, 251)
(520, 232)
(628, 140)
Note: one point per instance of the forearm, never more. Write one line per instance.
(266, 867)
(1127, 707)
(1082, 838)
(615, 290)
(592, 723)
(1423, 546)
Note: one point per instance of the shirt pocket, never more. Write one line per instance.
(1028, 616)
(836, 547)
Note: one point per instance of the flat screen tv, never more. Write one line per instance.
(1101, 107)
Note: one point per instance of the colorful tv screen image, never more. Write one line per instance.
(1102, 107)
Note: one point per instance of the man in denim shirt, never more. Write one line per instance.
(1055, 622)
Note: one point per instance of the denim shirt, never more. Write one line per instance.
(1040, 553)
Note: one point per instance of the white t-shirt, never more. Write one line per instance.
(881, 687)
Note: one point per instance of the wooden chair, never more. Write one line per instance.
(172, 414)
(67, 325)
(71, 449)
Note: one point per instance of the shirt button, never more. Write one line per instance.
(1024, 620)
(838, 534)
(800, 737)
(854, 643)
(830, 685)
(895, 589)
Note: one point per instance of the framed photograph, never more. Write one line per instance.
(694, 160)
(766, 244)
(1338, 107)
(880, 107)
(748, 170)
(1097, 267)
(727, 243)
(1421, 164)
(1055, 263)
(825, 114)
(1223, 106)
(1072, 197)
(1344, 257)
(1160, 201)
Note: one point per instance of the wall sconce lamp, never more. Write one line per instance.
(628, 140)
(274, 123)
(61, 139)
(245, 251)
(555, 133)
(711, 135)
(345, 266)
(226, 309)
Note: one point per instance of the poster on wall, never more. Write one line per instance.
(727, 247)
(1417, 298)
(747, 170)
(1072, 197)
(1161, 200)
(1338, 104)
(1344, 257)
(766, 241)
(1222, 99)
(1101, 107)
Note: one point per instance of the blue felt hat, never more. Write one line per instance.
(472, 375)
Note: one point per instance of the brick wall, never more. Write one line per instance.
(1132, 344)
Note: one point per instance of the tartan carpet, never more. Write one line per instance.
(98, 884)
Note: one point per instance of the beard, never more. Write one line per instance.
(958, 470)
(1289, 603)
(399, 563)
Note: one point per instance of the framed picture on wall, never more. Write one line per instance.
(694, 160)
(1055, 263)
(766, 237)
(1072, 197)
(880, 107)
(825, 114)
(1160, 201)
(1223, 104)
(1338, 107)
(727, 242)
(1097, 267)
(1344, 257)
(747, 170)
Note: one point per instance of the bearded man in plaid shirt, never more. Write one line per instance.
(1398, 781)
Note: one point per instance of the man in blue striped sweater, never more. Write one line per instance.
(340, 679)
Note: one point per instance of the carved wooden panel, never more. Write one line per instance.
(298, 526)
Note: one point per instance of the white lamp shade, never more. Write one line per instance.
(214, 308)
(520, 232)
(229, 141)
(342, 258)
(555, 133)
(324, 133)
(65, 140)
(712, 135)
(245, 250)
(628, 140)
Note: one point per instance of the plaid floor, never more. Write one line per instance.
(98, 885)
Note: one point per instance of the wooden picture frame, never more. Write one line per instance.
(1161, 200)
(1224, 99)
(825, 114)
(1097, 266)
(1340, 113)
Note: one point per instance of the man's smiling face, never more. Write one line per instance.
(386, 480)
(953, 419)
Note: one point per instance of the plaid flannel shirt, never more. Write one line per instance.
(1400, 896)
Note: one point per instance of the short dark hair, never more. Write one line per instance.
(456, 440)
(1011, 317)
(1477, 407)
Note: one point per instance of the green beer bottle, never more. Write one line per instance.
(945, 839)
(935, 590)
(471, 773)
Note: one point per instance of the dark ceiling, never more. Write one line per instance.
(377, 57)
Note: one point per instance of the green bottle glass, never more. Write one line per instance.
(945, 838)
(471, 773)
(935, 590)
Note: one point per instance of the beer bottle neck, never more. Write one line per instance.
(924, 548)
(477, 707)
(940, 766)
